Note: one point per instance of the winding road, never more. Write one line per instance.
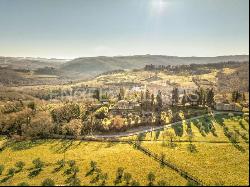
(147, 129)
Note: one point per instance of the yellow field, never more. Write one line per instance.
(232, 124)
(107, 155)
(217, 160)
(214, 163)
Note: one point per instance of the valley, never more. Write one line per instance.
(184, 124)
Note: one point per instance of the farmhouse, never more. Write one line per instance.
(155, 88)
(123, 104)
(228, 107)
(124, 107)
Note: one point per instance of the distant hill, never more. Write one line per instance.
(27, 69)
(237, 80)
(29, 63)
(91, 66)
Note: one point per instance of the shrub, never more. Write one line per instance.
(230, 115)
(104, 177)
(171, 137)
(162, 183)
(244, 136)
(106, 124)
(101, 113)
(233, 137)
(127, 177)
(162, 159)
(247, 119)
(40, 126)
(192, 148)
(74, 127)
(48, 182)
(177, 117)
(93, 167)
(178, 130)
(61, 164)
(75, 170)
(38, 163)
(23, 184)
(242, 125)
(12, 123)
(20, 166)
(1, 169)
(135, 183)
(11, 172)
(11, 107)
(71, 163)
(191, 183)
(66, 113)
(119, 175)
(117, 123)
(96, 178)
(74, 181)
(32, 105)
(151, 179)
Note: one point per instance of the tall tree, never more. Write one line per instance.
(233, 96)
(152, 102)
(201, 96)
(159, 102)
(142, 96)
(184, 98)
(142, 101)
(175, 96)
(210, 98)
(243, 96)
(147, 101)
(97, 94)
(236, 96)
(121, 95)
(147, 95)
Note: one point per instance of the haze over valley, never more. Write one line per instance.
(124, 93)
(28, 71)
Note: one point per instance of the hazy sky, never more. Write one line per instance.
(74, 28)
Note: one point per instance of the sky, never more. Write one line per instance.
(81, 28)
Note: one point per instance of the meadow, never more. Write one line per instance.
(108, 156)
(215, 160)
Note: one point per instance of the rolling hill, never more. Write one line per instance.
(29, 63)
(27, 70)
(91, 66)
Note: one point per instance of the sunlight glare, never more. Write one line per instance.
(159, 6)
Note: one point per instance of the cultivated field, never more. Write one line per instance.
(109, 156)
(215, 159)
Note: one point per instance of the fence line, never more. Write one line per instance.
(167, 163)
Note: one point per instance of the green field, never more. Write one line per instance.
(215, 161)
(232, 123)
(109, 156)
